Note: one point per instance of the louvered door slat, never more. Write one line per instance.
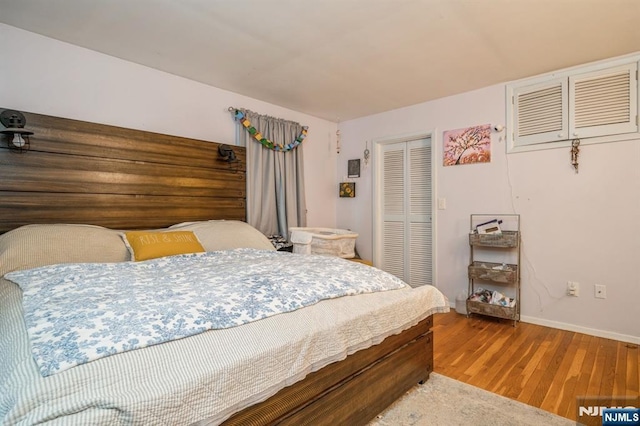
(541, 112)
(393, 210)
(393, 182)
(603, 102)
(420, 260)
(420, 178)
(393, 249)
(419, 213)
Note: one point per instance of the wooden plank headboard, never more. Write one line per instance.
(79, 172)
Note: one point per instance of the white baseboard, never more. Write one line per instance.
(575, 328)
(583, 330)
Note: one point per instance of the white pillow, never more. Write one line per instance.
(226, 235)
(31, 246)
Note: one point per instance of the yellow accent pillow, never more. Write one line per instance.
(145, 245)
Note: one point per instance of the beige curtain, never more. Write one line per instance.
(275, 179)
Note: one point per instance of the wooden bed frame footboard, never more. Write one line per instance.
(352, 391)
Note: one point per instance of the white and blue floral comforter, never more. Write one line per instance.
(76, 313)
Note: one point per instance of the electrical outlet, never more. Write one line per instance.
(573, 288)
(442, 203)
(601, 291)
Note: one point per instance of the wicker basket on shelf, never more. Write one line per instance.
(506, 312)
(507, 239)
(496, 272)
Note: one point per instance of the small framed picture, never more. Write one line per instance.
(348, 189)
(353, 168)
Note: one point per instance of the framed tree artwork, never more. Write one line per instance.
(467, 146)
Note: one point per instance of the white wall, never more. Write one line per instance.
(575, 227)
(46, 76)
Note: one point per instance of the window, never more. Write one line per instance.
(595, 104)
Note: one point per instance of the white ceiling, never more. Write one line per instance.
(341, 59)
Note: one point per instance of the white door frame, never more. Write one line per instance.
(376, 199)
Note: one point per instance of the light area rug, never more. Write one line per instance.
(447, 402)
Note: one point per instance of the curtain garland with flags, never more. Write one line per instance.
(240, 116)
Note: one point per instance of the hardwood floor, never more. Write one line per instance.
(540, 366)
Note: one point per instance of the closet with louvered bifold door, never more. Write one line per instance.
(405, 209)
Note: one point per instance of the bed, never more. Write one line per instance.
(367, 349)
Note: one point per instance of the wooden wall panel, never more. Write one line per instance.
(78, 172)
(53, 134)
